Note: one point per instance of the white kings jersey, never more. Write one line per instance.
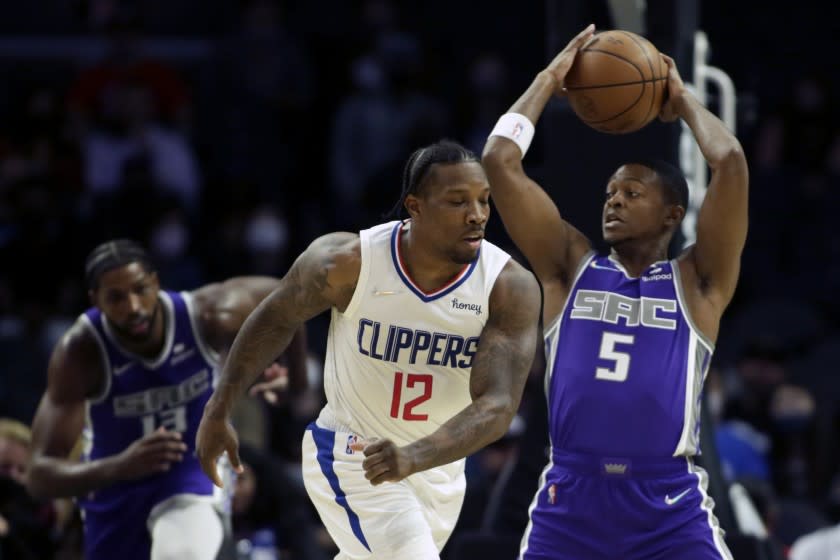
(398, 359)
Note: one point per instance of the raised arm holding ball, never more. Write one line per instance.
(629, 335)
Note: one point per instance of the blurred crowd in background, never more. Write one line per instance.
(226, 135)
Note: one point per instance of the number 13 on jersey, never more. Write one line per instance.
(410, 380)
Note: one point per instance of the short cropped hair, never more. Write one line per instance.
(114, 254)
(16, 431)
(674, 185)
(421, 160)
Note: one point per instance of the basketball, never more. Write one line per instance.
(617, 82)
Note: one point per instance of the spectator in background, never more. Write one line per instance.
(95, 98)
(767, 428)
(488, 76)
(363, 140)
(131, 109)
(266, 238)
(28, 527)
(15, 439)
(39, 186)
(293, 400)
(808, 109)
(266, 85)
(170, 243)
(271, 507)
(388, 114)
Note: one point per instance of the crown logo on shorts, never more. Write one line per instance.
(615, 468)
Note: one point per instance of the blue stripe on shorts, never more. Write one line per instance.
(324, 440)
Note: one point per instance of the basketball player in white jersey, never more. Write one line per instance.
(433, 332)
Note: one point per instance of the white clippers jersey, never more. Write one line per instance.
(398, 359)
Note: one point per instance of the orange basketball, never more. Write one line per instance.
(617, 82)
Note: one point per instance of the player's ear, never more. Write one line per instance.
(674, 215)
(412, 205)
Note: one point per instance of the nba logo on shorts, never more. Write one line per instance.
(552, 494)
(350, 440)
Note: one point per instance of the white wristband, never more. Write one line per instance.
(516, 127)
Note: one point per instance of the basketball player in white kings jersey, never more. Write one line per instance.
(433, 332)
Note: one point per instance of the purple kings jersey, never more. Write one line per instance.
(140, 396)
(626, 364)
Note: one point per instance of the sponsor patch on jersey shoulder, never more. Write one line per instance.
(654, 277)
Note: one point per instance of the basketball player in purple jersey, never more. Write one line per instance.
(629, 336)
(132, 376)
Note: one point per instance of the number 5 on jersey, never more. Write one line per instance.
(411, 379)
(608, 352)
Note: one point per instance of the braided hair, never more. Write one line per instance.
(421, 160)
(114, 254)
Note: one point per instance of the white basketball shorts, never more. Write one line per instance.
(412, 518)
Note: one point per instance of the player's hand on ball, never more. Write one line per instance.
(674, 94)
(559, 67)
(384, 461)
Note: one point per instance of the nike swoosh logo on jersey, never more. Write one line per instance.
(122, 369)
(671, 501)
(384, 293)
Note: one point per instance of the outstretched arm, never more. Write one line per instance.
(500, 369)
(324, 276)
(722, 221)
(552, 246)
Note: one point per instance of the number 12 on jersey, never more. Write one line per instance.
(410, 379)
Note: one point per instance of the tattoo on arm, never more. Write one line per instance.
(497, 380)
(309, 288)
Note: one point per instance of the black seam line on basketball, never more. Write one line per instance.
(650, 64)
(620, 113)
(615, 85)
(613, 117)
(608, 53)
